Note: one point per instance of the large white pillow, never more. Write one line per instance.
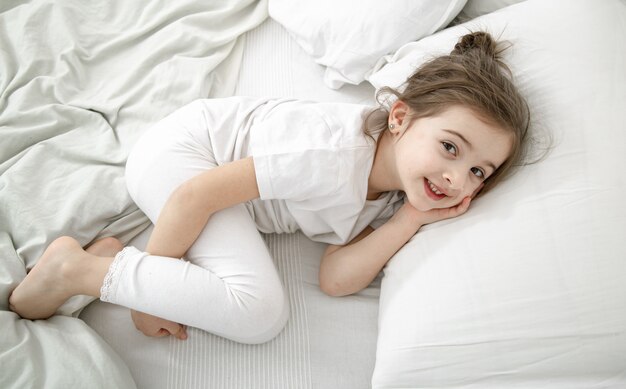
(528, 289)
(349, 36)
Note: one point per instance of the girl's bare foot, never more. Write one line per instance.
(57, 276)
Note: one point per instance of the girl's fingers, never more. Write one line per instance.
(466, 203)
(175, 330)
(477, 191)
(182, 333)
(462, 207)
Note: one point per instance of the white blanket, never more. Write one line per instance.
(79, 82)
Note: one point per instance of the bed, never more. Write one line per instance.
(526, 290)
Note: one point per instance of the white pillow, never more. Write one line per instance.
(476, 8)
(528, 289)
(349, 36)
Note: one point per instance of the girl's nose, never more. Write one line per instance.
(454, 179)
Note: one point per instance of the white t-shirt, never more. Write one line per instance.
(312, 163)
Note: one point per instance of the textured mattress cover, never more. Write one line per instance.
(328, 342)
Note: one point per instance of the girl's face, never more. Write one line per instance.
(444, 158)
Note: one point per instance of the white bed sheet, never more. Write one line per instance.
(328, 342)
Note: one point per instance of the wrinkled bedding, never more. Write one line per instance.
(79, 82)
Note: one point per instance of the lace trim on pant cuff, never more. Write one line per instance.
(109, 284)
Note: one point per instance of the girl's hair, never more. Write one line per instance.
(472, 75)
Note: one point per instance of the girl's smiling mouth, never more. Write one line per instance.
(433, 191)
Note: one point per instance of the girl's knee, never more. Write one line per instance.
(265, 319)
(271, 326)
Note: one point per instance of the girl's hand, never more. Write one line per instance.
(437, 214)
(157, 327)
(407, 214)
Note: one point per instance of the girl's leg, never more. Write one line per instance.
(240, 297)
(229, 286)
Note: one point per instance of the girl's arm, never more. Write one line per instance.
(348, 269)
(189, 207)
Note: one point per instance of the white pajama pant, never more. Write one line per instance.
(227, 284)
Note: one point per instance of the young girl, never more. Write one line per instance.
(213, 174)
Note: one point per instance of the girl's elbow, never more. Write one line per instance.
(333, 286)
(184, 194)
(333, 279)
(328, 284)
(330, 287)
(188, 197)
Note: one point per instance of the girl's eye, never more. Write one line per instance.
(449, 147)
(478, 172)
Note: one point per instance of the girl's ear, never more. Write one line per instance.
(398, 116)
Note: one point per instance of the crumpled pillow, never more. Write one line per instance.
(350, 36)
